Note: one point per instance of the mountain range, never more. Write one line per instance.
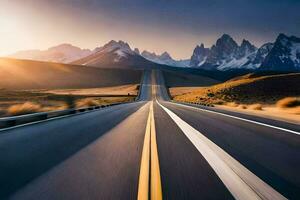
(165, 59)
(63, 53)
(226, 54)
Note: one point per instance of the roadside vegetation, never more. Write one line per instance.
(288, 102)
(24, 108)
(248, 92)
(20, 102)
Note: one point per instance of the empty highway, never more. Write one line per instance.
(151, 149)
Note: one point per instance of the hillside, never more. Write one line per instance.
(181, 78)
(25, 74)
(247, 89)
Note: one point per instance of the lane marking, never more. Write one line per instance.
(241, 182)
(149, 178)
(143, 187)
(156, 190)
(239, 118)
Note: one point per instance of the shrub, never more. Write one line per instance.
(256, 106)
(25, 108)
(70, 101)
(210, 94)
(242, 106)
(288, 102)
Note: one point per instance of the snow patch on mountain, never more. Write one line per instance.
(295, 53)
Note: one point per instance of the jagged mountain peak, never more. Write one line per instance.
(201, 46)
(148, 54)
(224, 54)
(137, 51)
(245, 49)
(285, 54)
(226, 39)
(246, 43)
(283, 39)
(165, 56)
(199, 56)
(153, 55)
(165, 59)
(113, 45)
(226, 36)
(224, 47)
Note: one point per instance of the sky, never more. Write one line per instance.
(176, 26)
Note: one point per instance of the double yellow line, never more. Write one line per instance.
(149, 179)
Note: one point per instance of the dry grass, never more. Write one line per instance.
(255, 106)
(232, 104)
(296, 110)
(242, 106)
(245, 90)
(88, 102)
(18, 102)
(130, 89)
(288, 102)
(25, 108)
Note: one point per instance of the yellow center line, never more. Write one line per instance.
(143, 188)
(149, 162)
(156, 191)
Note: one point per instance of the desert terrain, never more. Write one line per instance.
(275, 96)
(32, 86)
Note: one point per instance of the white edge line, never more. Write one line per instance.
(240, 181)
(239, 118)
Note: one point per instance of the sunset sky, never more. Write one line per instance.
(175, 26)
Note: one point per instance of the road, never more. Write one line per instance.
(151, 148)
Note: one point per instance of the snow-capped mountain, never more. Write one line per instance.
(199, 56)
(226, 54)
(63, 53)
(242, 57)
(284, 56)
(164, 59)
(113, 54)
(261, 54)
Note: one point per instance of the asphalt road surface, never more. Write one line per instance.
(152, 147)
